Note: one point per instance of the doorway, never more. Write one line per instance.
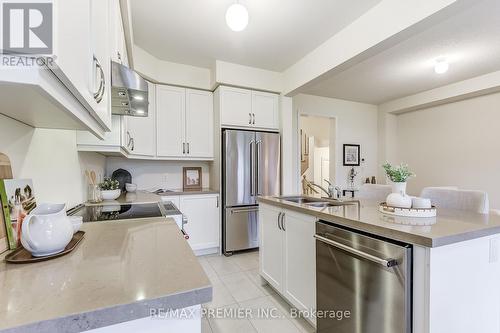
(317, 137)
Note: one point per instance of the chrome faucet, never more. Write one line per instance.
(333, 192)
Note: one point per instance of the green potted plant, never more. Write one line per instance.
(110, 189)
(398, 175)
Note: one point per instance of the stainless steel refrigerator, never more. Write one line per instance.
(250, 167)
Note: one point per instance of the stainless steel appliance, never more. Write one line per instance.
(366, 275)
(120, 212)
(129, 92)
(250, 167)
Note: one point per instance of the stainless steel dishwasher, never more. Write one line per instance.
(363, 282)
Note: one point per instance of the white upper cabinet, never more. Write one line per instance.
(81, 52)
(248, 108)
(199, 124)
(170, 121)
(111, 143)
(101, 65)
(235, 106)
(140, 132)
(265, 110)
(72, 45)
(118, 51)
(185, 123)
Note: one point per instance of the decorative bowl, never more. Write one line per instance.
(110, 194)
(130, 187)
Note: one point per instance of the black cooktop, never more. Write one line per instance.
(117, 212)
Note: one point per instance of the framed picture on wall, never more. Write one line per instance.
(192, 178)
(352, 155)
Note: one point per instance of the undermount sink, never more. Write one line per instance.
(313, 202)
(301, 200)
(325, 204)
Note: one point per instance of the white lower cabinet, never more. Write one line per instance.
(203, 215)
(299, 259)
(288, 254)
(271, 246)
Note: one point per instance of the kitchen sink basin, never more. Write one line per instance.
(313, 202)
(301, 200)
(325, 204)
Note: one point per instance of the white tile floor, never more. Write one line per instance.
(237, 287)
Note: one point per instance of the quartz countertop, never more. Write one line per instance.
(139, 197)
(189, 192)
(448, 227)
(117, 273)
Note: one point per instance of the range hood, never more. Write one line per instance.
(129, 92)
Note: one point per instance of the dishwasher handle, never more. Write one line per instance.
(364, 255)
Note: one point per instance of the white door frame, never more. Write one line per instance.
(297, 113)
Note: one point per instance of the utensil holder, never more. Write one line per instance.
(94, 194)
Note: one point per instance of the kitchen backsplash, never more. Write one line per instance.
(48, 157)
(156, 174)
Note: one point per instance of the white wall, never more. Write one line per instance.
(167, 72)
(357, 123)
(454, 144)
(249, 77)
(50, 159)
(157, 174)
(317, 127)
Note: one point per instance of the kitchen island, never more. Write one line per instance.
(455, 271)
(120, 275)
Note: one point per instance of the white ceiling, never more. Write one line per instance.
(470, 40)
(279, 33)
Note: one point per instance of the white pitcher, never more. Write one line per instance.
(46, 230)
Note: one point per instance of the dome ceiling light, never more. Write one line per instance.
(441, 66)
(237, 17)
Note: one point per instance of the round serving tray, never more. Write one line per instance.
(407, 212)
(23, 256)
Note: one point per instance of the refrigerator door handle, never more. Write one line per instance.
(244, 210)
(252, 169)
(257, 167)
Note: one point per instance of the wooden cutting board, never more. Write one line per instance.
(5, 167)
(5, 173)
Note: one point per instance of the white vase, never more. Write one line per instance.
(398, 197)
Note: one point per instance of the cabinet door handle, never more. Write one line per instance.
(253, 115)
(217, 202)
(279, 219)
(133, 144)
(188, 147)
(99, 94)
(129, 139)
(183, 147)
(249, 119)
(283, 222)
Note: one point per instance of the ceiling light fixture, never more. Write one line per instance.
(237, 17)
(441, 66)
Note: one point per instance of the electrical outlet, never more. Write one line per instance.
(494, 246)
